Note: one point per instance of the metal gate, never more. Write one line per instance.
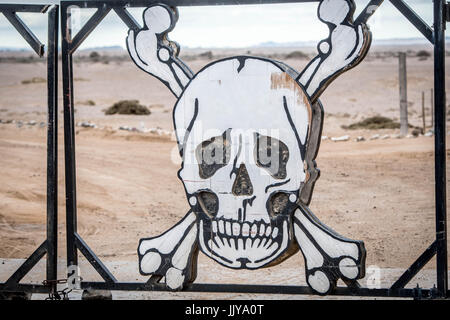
(49, 247)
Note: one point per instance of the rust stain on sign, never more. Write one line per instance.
(285, 81)
(282, 80)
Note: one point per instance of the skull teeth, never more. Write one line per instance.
(254, 230)
(243, 229)
(236, 229)
(228, 228)
(221, 226)
(261, 230)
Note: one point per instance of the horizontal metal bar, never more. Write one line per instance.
(424, 258)
(414, 18)
(34, 288)
(24, 8)
(25, 32)
(174, 3)
(94, 260)
(258, 289)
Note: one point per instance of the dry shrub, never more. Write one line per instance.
(206, 55)
(297, 55)
(423, 54)
(127, 107)
(88, 102)
(34, 80)
(373, 123)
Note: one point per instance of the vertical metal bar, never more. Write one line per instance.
(403, 94)
(439, 145)
(69, 139)
(52, 147)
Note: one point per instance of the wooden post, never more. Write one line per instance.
(432, 109)
(423, 112)
(403, 95)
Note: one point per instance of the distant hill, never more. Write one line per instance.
(403, 41)
(272, 44)
(14, 49)
(268, 44)
(107, 48)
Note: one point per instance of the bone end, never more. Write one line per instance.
(319, 282)
(150, 262)
(174, 279)
(348, 268)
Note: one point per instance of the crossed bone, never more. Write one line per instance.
(328, 256)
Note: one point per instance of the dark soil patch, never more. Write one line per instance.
(374, 123)
(127, 107)
(423, 54)
(297, 55)
(34, 80)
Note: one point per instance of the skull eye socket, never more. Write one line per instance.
(209, 203)
(213, 154)
(272, 155)
(278, 204)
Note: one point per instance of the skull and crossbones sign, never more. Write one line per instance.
(248, 130)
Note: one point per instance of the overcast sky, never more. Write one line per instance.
(231, 26)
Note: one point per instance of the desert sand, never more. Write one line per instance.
(380, 191)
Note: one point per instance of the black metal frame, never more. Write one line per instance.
(75, 242)
(50, 245)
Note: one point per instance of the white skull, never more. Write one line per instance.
(224, 119)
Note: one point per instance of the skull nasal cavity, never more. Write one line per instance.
(242, 185)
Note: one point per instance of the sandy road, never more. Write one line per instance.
(377, 191)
